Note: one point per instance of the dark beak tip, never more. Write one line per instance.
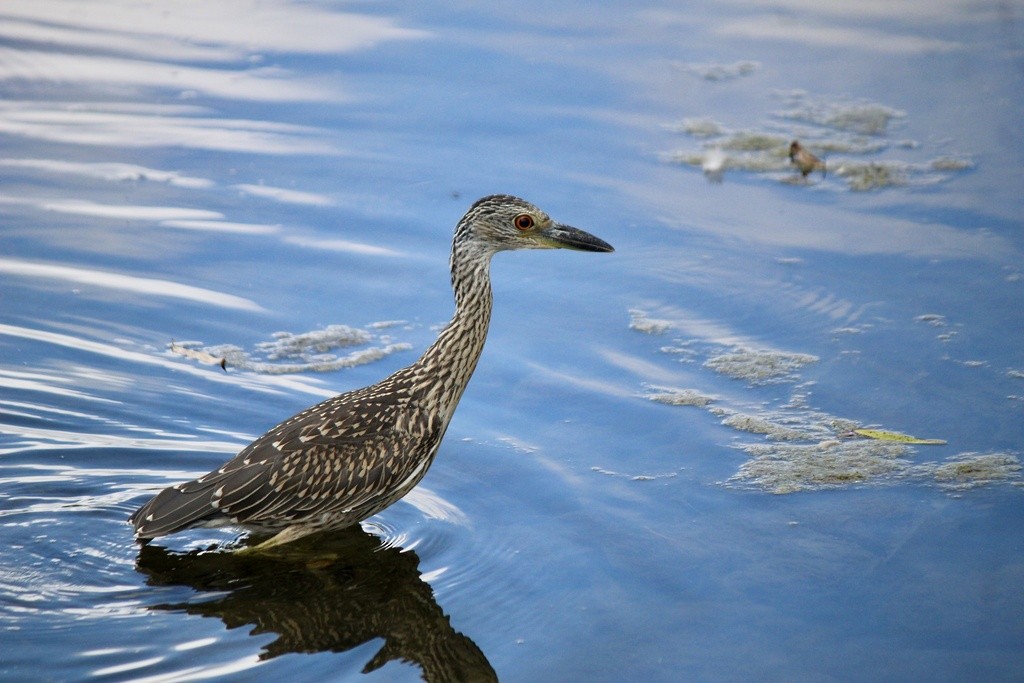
(568, 237)
(600, 246)
(597, 246)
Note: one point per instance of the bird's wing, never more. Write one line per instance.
(336, 456)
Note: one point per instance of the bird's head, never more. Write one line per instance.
(502, 222)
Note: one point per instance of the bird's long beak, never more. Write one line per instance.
(558, 236)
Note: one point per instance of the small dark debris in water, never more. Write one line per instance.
(199, 355)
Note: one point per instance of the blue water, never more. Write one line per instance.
(652, 475)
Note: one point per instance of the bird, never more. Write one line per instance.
(804, 160)
(351, 456)
(713, 164)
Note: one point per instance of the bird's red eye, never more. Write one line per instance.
(524, 221)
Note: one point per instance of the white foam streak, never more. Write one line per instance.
(126, 283)
(435, 507)
(81, 207)
(45, 439)
(342, 245)
(286, 196)
(111, 171)
(173, 29)
(771, 28)
(263, 84)
(119, 125)
(221, 226)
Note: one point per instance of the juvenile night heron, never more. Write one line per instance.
(351, 456)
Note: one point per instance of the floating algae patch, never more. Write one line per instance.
(759, 425)
(863, 176)
(951, 164)
(753, 141)
(933, 319)
(760, 366)
(971, 470)
(873, 175)
(787, 468)
(683, 350)
(680, 397)
(719, 72)
(828, 127)
(305, 344)
(699, 128)
(854, 116)
(722, 160)
(750, 151)
(639, 321)
(290, 353)
(327, 363)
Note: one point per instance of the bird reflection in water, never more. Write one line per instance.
(329, 592)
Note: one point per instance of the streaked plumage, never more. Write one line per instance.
(353, 455)
(804, 160)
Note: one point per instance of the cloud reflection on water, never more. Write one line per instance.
(811, 33)
(117, 172)
(125, 283)
(189, 31)
(119, 126)
(255, 84)
(121, 50)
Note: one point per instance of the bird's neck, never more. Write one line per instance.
(450, 361)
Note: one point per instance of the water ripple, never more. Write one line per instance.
(122, 283)
(124, 126)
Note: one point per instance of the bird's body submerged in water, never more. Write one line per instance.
(351, 456)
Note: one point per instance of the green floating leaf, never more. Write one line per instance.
(883, 435)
